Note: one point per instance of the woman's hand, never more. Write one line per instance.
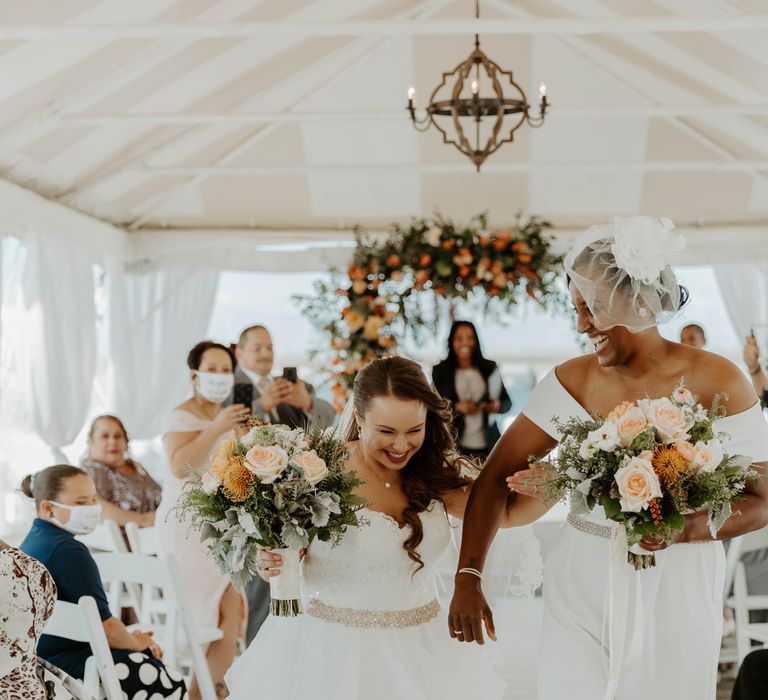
(144, 642)
(468, 408)
(269, 564)
(469, 611)
(531, 481)
(491, 406)
(230, 416)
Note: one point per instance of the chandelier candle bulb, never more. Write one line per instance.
(474, 87)
(411, 93)
(542, 92)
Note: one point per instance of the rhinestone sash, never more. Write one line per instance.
(589, 527)
(374, 618)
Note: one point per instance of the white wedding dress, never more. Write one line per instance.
(372, 628)
(664, 623)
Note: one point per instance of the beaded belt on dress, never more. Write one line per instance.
(373, 618)
(598, 530)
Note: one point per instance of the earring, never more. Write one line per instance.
(359, 432)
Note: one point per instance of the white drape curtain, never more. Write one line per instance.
(156, 316)
(744, 288)
(58, 359)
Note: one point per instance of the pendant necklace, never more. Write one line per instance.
(387, 484)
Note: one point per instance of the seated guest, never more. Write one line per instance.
(276, 399)
(193, 433)
(474, 387)
(756, 373)
(693, 334)
(65, 500)
(124, 490)
(29, 594)
(752, 681)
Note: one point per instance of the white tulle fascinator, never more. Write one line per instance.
(622, 271)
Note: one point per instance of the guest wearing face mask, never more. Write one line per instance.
(65, 500)
(193, 433)
(474, 387)
(125, 491)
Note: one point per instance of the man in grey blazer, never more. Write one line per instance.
(275, 400)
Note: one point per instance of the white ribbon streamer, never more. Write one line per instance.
(616, 617)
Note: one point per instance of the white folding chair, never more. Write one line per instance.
(143, 540)
(153, 572)
(105, 538)
(743, 602)
(80, 622)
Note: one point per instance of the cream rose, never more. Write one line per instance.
(433, 236)
(638, 485)
(682, 395)
(313, 466)
(685, 450)
(708, 455)
(670, 421)
(630, 425)
(267, 463)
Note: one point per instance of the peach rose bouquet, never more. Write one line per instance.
(278, 488)
(647, 464)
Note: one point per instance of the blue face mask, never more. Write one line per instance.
(82, 519)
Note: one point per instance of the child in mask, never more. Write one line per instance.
(65, 500)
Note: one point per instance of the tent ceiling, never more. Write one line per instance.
(288, 114)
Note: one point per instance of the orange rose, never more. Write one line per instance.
(448, 244)
(393, 260)
(519, 246)
(464, 271)
(525, 258)
(425, 259)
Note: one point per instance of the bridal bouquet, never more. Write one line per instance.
(648, 464)
(278, 488)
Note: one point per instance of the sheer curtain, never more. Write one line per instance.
(744, 288)
(57, 361)
(155, 316)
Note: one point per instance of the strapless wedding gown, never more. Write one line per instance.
(372, 628)
(671, 629)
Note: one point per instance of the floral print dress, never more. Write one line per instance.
(27, 597)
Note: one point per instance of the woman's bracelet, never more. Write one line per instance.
(470, 570)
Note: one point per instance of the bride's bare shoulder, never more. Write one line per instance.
(576, 372)
(717, 375)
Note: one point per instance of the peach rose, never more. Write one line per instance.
(685, 450)
(359, 286)
(638, 485)
(630, 425)
(267, 463)
(619, 410)
(314, 467)
(669, 420)
(354, 321)
(373, 324)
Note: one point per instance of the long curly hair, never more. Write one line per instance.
(436, 467)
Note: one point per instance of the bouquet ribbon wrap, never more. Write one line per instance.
(619, 617)
(285, 589)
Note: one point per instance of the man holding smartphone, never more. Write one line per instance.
(283, 399)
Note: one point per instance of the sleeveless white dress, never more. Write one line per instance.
(372, 628)
(203, 583)
(673, 622)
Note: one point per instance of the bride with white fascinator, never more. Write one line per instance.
(609, 632)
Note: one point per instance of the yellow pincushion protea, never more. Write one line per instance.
(222, 460)
(237, 483)
(669, 464)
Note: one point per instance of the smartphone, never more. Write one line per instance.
(243, 394)
(290, 374)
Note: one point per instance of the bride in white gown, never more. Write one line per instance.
(372, 627)
(634, 635)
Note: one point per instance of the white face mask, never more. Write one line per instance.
(82, 519)
(215, 386)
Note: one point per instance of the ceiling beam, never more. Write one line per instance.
(523, 167)
(244, 119)
(430, 27)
